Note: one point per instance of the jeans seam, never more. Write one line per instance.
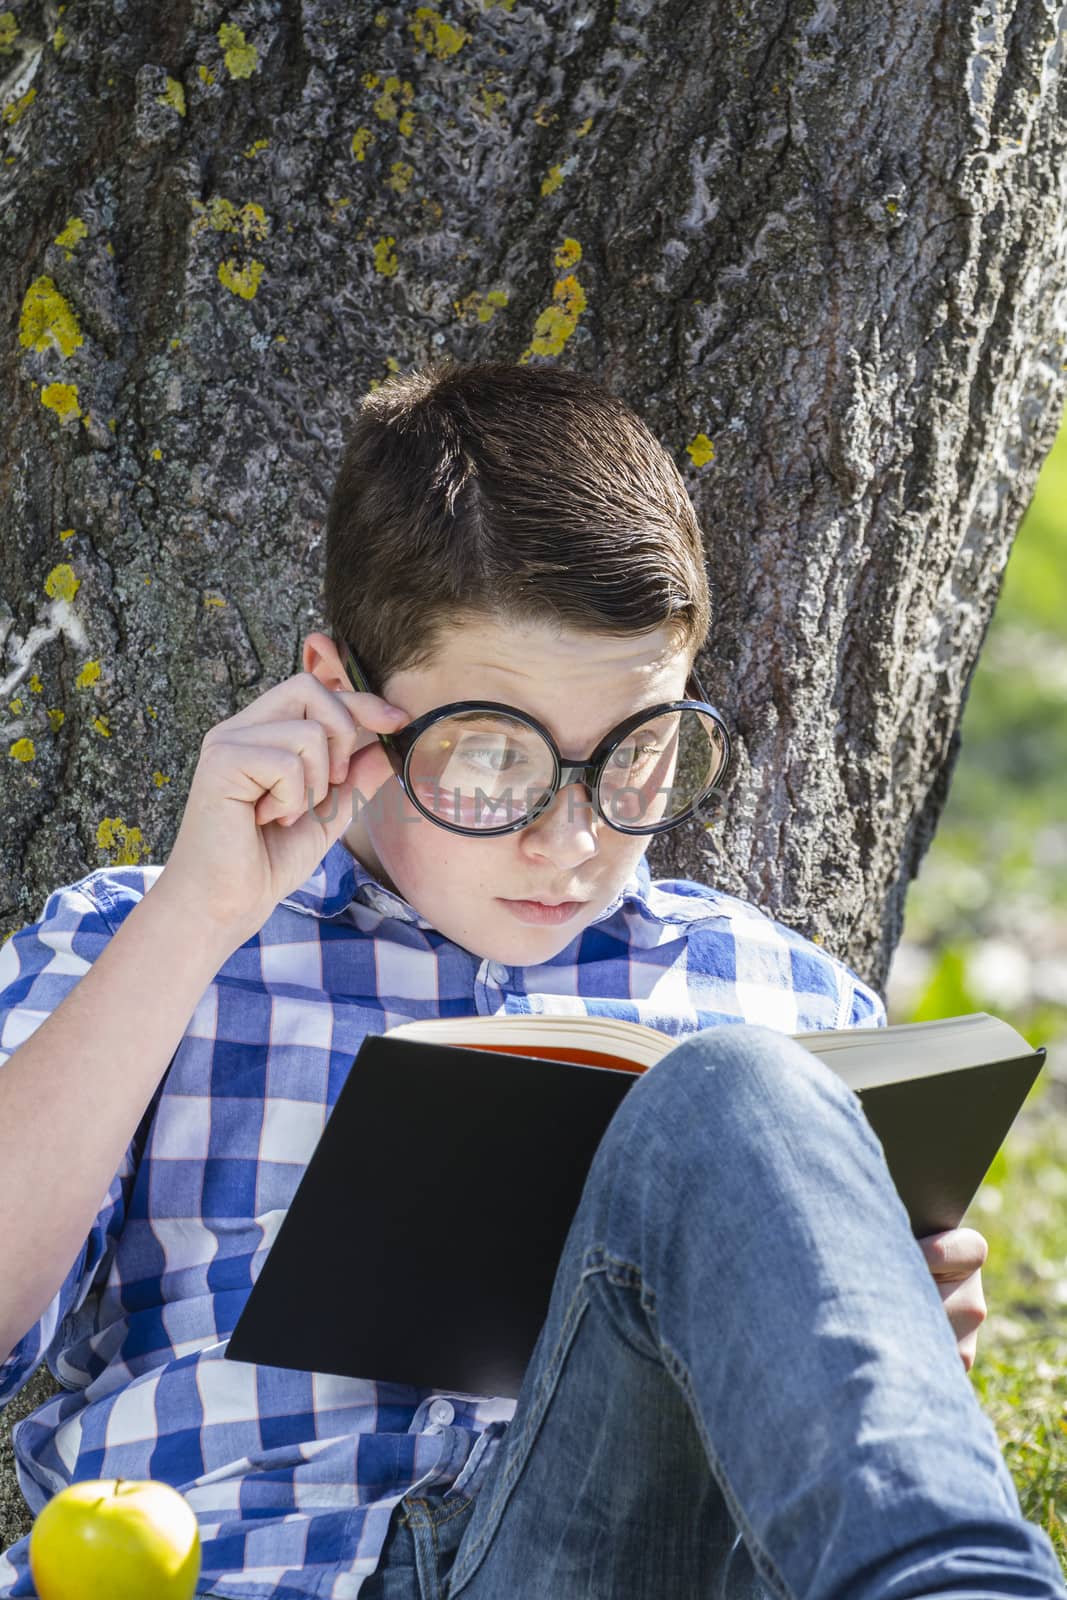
(579, 1304)
(456, 1509)
(626, 1274)
(631, 1278)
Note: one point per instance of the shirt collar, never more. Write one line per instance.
(339, 879)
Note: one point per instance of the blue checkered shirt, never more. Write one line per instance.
(293, 1475)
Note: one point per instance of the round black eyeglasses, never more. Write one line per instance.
(459, 763)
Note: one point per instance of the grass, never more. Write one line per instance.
(1020, 1375)
(1020, 1372)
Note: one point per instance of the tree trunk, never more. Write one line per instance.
(825, 256)
(823, 252)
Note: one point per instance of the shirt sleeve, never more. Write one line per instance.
(868, 1008)
(39, 966)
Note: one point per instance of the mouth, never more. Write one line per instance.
(541, 902)
(549, 912)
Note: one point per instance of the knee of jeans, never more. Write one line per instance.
(734, 1079)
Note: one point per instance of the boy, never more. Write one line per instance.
(747, 1381)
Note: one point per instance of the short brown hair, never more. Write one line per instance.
(505, 490)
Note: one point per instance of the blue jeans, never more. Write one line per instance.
(746, 1384)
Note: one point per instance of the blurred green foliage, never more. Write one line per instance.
(996, 876)
(998, 862)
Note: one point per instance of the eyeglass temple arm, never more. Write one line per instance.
(355, 671)
(695, 683)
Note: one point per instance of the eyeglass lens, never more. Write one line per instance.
(485, 770)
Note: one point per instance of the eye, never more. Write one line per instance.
(631, 755)
(495, 758)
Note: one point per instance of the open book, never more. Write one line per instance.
(453, 1231)
(864, 1057)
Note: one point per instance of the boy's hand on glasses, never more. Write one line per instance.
(250, 833)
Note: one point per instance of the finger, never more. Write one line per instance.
(965, 1304)
(327, 754)
(968, 1349)
(303, 696)
(250, 771)
(955, 1252)
(324, 787)
(276, 778)
(329, 818)
(304, 740)
(367, 722)
(308, 740)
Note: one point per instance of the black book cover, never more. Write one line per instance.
(428, 1257)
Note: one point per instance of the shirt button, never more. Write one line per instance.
(498, 972)
(442, 1411)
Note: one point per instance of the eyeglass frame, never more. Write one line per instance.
(398, 747)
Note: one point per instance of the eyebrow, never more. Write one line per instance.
(486, 717)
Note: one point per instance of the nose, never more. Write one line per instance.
(567, 831)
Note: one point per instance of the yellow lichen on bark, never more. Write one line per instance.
(173, 95)
(241, 58)
(250, 221)
(253, 221)
(385, 260)
(18, 108)
(483, 306)
(387, 107)
(558, 321)
(61, 583)
(243, 281)
(436, 36)
(125, 843)
(62, 398)
(47, 319)
(71, 235)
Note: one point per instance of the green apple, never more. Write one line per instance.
(115, 1539)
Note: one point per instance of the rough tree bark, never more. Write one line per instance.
(822, 249)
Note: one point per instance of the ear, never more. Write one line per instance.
(320, 657)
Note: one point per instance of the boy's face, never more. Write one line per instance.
(579, 686)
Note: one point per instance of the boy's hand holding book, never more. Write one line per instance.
(248, 836)
(955, 1258)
